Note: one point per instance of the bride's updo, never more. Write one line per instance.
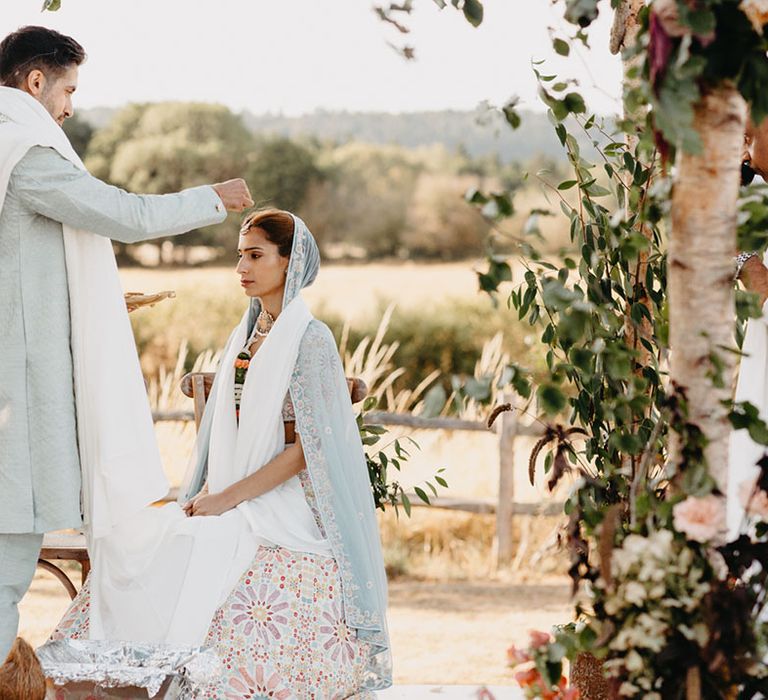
(278, 227)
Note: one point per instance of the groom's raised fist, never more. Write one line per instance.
(234, 194)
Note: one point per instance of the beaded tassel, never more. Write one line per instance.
(242, 362)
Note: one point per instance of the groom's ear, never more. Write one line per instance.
(34, 83)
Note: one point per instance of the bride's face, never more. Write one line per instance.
(261, 268)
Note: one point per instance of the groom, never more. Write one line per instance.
(40, 477)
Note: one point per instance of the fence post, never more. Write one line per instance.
(502, 542)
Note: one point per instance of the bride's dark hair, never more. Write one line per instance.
(277, 225)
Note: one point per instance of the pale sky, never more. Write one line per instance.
(296, 56)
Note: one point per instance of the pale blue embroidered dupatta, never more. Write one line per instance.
(336, 466)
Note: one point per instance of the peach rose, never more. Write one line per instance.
(527, 678)
(701, 519)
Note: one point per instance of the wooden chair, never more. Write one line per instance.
(65, 546)
(197, 386)
(70, 546)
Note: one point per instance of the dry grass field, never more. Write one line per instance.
(350, 291)
(452, 616)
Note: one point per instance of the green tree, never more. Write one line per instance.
(440, 223)
(166, 147)
(365, 197)
(281, 172)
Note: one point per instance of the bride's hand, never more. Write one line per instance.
(209, 504)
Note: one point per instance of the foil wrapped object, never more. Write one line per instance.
(123, 664)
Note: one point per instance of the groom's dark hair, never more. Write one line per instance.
(37, 48)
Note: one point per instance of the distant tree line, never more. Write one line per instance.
(361, 200)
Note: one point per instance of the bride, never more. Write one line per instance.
(273, 558)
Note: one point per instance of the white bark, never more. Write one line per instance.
(700, 264)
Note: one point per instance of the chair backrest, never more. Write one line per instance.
(197, 385)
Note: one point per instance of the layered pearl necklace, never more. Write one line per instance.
(261, 328)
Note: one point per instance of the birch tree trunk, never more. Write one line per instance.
(700, 270)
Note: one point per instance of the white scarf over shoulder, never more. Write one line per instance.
(118, 451)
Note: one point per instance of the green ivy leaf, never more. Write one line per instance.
(574, 103)
(474, 196)
(511, 114)
(745, 415)
(406, 503)
(434, 401)
(473, 11)
(551, 399)
(673, 108)
(747, 305)
(479, 389)
(422, 494)
(561, 47)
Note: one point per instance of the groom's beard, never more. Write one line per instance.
(747, 173)
(48, 101)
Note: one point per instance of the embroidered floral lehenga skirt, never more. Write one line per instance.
(280, 634)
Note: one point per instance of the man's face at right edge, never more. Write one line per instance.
(756, 147)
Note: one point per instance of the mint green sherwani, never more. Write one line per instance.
(39, 464)
(39, 467)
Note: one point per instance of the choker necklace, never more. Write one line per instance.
(264, 323)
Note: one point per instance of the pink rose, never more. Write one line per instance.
(516, 656)
(701, 519)
(539, 639)
(754, 499)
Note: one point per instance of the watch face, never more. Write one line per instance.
(747, 174)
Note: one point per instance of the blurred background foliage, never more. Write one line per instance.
(370, 186)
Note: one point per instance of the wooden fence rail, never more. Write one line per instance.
(507, 427)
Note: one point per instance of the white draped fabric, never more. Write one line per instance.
(168, 573)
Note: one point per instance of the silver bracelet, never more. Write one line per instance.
(740, 261)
